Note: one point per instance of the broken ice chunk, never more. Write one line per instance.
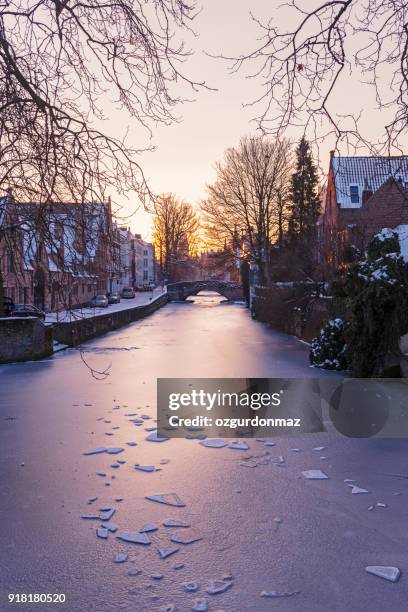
(184, 538)
(101, 532)
(95, 451)
(213, 443)
(134, 537)
(170, 499)
(387, 572)
(190, 587)
(92, 499)
(145, 468)
(131, 443)
(356, 490)
(238, 445)
(175, 523)
(218, 586)
(114, 450)
(314, 475)
(120, 558)
(155, 437)
(167, 552)
(110, 527)
(115, 465)
(156, 576)
(148, 527)
(279, 593)
(102, 474)
(320, 448)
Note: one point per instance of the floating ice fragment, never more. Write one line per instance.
(102, 474)
(279, 593)
(114, 450)
(184, 538)
(314, 475)
(319, 448)
(120, 558)
(356, 490)
(167, 552)
(92, 499)
(175, 523)
(103, 533)
(168, 608)
(134, 537)
(94, 517)
(115, 465)
(131, 443)
(238, 445)
(178, 566)
(381, 505)
(150, 428)
(109, 433)
(106, 516)
(95, 451)
(269, 443)
(145, 468)
(170, 499)
(134, 572)
(214, 443)
(200, 605)
(155, 437)
(349, 480)
(388, 572)
(148, 527)
(371, 508)
(190, 587)
(216, 587)
(295, 450)
(110, 527)
(156, 576)
(118, 499)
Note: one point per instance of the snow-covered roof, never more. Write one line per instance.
(369, 172)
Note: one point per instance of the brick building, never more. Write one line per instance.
(362, 195)
(58, 255)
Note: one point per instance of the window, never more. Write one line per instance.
(406, 185)
(145, 275)
(10, 262)
(145, 263)
(354, 195)
(145, 252)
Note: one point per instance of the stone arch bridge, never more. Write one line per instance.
(181, 291)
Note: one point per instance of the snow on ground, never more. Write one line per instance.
(86, 313)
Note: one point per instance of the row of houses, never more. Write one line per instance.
(362, 196)
(61, 254)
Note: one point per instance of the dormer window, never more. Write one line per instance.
(354, 194)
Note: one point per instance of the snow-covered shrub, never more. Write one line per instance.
(328, 350)
(377, 304)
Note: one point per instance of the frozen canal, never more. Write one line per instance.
(264, 529)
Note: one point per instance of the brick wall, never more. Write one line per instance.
(24, 339)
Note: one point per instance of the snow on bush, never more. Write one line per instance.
(328, 350)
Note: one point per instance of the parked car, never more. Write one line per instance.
(113, 298)
(128, 292)
(139, 288)
(26, 310)
(151, 286)
(8, 305)
(99, 301)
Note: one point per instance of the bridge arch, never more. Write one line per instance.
(184, 289)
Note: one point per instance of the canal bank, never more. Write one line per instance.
(76, 331)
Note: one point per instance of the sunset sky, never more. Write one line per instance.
(186, 151)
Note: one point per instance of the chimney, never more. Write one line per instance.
(367, 192)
